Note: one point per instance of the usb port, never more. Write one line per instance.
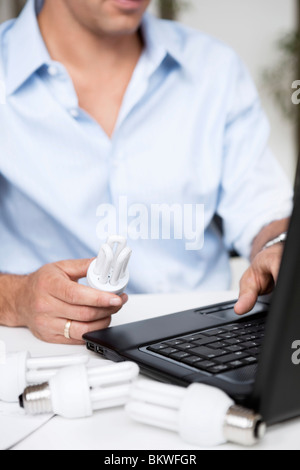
(100, 350)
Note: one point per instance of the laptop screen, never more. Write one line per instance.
(297, 181)
(277, 388)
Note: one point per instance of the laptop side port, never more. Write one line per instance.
(100, 350)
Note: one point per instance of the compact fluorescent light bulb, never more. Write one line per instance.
(109, 271)
(20, 370)
(77, 391)
(201, 414)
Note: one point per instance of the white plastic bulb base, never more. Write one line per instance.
(77, 403)
(13, 376)
(94, 280)
(202, 415)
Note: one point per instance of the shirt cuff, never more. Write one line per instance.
(244, 244)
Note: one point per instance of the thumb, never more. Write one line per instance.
(75, 269)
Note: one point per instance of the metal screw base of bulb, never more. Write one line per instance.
(36, 399)
(243, 426)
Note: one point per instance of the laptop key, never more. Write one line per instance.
(253, 329)
(231, 357)
(193, 337)
(218, 345)
(191, 360)
(247, 338)
(254, 351)
(173, 342)
(232, 327)
(167, 351)
(234, 348)
(185, 346)
(249, 344)
(232, 341)
(218, 369)
(228, 335)
(261, 334)
(179, 355)
(157, 347)
(258, 341)
(235, 364)
(250, 360)
(209, 353)
(214, 332)
(204, 365)
(205, 340)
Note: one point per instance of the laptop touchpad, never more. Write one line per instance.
(226, 311)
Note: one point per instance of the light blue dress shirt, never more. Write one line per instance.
(190, 132)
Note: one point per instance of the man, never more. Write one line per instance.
(104, 102)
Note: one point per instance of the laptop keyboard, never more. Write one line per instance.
(216, 350)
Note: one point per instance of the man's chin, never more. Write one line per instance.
(120, 25)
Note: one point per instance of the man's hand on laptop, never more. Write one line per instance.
(260, 278)
(45, 300)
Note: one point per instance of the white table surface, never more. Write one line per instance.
(112, 429)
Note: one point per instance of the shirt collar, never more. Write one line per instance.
(161, 40)
(27, 51)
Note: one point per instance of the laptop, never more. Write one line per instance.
(254, 358)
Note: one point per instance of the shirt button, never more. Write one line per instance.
(52, 70)
(74, 113)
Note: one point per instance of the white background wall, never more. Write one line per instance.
(5, 9)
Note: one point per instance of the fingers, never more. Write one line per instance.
(49, 327)
(78, 329)
(51, 330)
(249, 289)
(76, 294)
(75, 269)
(259, 279)
(51, 296)
(84, 313)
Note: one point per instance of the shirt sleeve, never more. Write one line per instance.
(254, 189)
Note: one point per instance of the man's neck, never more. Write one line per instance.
(70, 43)
(100, 66)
